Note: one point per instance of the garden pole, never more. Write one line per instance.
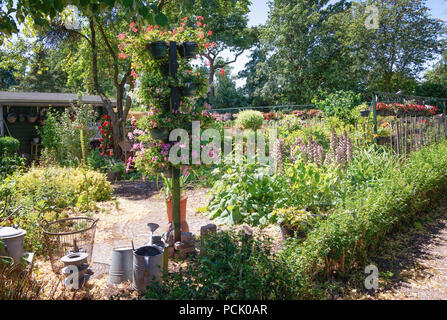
(374, 104)
(173, 65)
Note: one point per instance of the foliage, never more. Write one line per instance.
(250, 119)
(339, 104)
(55, 188)
(300, 221)
(407, 38)
(62, 138)
(300, 50)
(233, 267)
(8, 146)
(11, 164)
(244, 193)
(352, 230)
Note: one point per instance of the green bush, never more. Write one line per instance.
(244, 193)
(62, 138)
(250, 119)
(387, 200)
(11, 164)
(339, 104)
(9, 146)
(233, 268)
(58, 188)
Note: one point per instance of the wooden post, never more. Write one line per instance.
(175, 102)
(1, 121)
(374, 105)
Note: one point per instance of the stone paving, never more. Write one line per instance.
(126, 218)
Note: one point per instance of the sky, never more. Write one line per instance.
(259, 13)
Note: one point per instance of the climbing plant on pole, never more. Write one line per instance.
(173, 90)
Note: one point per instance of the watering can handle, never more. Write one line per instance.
(133, 247)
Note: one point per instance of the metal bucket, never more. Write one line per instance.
(122, 265)
(147, 266)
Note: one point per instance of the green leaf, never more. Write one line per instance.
(161, 20)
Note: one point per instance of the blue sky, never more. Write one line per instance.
(259, 13)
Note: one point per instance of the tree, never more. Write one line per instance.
(302, 51)
(228, 22)
(227, 94)
(405, 40)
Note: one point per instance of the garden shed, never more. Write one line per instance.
(21, 112)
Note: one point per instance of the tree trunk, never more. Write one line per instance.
(211, 88)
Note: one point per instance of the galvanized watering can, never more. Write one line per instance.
(147, 266)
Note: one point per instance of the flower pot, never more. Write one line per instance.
(188, 49)
(32, 118)
(189, 90)
(365, 113)
(385, 113)
(158, 49)
(160, 134)
(12, 117)
(183, 224)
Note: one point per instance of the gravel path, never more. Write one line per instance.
(412, 264)
(137, 203)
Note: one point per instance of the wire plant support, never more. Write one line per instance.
(68, 235)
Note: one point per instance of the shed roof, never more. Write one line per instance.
(44, 99)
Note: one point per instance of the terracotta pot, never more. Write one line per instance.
(12, 117)
(184, 225)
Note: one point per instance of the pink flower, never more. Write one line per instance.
(121, 36)
(222, 72)
(122, 56)
(201, 35)
(210, 33)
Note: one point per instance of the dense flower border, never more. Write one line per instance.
(408, 108)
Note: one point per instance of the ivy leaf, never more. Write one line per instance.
(161, 19)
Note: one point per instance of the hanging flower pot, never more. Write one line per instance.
(32, 118)
(160, 134)
(158, 49)
(12, 117)
(189, 90)
(188, 49)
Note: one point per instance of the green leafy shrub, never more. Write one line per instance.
(58, 188)
(11, 164)
(393, 201)
(250, 119)
(339, 104)
(64, 135)
(245, 193)
(9, 146)
(233, 268)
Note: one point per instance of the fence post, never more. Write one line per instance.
(374, 105)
